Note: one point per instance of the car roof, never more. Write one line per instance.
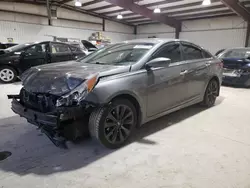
(151, 40)
(239, 48)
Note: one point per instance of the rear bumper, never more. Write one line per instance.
(242, 80)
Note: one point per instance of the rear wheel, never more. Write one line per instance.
(7, 74)
(112, 126)
(211, 93)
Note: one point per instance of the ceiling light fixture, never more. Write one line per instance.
(157, 10)
(206, 2)
(119, 16)
(78, 3)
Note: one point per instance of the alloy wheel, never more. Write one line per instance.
(7, 75)
(118, 124)
(212, 92)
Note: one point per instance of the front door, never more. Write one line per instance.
(166, 86)
(33, 56)
(60, 52)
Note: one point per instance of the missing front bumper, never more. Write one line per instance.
(61, 125)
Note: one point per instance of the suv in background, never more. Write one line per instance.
(15, 60)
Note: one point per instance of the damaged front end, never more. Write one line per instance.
(61, 116)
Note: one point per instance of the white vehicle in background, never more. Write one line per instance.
(86, 46)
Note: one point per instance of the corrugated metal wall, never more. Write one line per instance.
(213, 34)
(27, 28)
(158, 30)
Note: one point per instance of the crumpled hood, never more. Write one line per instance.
(40, 79)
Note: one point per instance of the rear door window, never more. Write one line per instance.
(191, 52)
(171, 51)
(38, 48)
(60, 48)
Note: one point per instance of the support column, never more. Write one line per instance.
(49, 12)
(247, 42)
(177, 32)
(135, 30)
(103, 25)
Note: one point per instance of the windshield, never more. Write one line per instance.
(236, 53)
(18, 47)
(118, 54)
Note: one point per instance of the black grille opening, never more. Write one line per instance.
(38, 101)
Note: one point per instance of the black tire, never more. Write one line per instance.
(211, 93)
(10, 69)
(104, 129)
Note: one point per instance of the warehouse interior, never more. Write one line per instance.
(193, 147)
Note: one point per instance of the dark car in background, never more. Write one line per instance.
(236, 66)
(15, 60)
(116, 88)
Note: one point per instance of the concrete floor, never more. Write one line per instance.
(195, 147)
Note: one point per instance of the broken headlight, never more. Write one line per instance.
(78, 93)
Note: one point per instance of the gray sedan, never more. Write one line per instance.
(110, 92)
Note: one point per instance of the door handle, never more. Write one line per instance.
(183, 72)
(208, 64)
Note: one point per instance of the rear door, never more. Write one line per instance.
(60, 52)
(199, 63)
(34, 55)
(166, 86)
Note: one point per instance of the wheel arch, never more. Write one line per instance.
(133, 99)
(218, 82)
(10, 65)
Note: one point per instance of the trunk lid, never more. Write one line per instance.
(234, 63)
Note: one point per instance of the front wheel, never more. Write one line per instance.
(112, 126)
(7, 74)
(211, 93)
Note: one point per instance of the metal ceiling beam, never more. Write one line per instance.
(94, 14)
(208, 16)
(212, 13)
(181, 11)
(64, 1)
(175, 7)
(130, 5)
(237, 8)
(101, 8)
(197, 9)
(91, 3)
(71, 8)
(145, 5)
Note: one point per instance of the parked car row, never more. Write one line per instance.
(115, 89)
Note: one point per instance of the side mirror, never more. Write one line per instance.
(158, 62)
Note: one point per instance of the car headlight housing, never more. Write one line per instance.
(79, 92)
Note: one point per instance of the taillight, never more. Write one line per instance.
(220, 64)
